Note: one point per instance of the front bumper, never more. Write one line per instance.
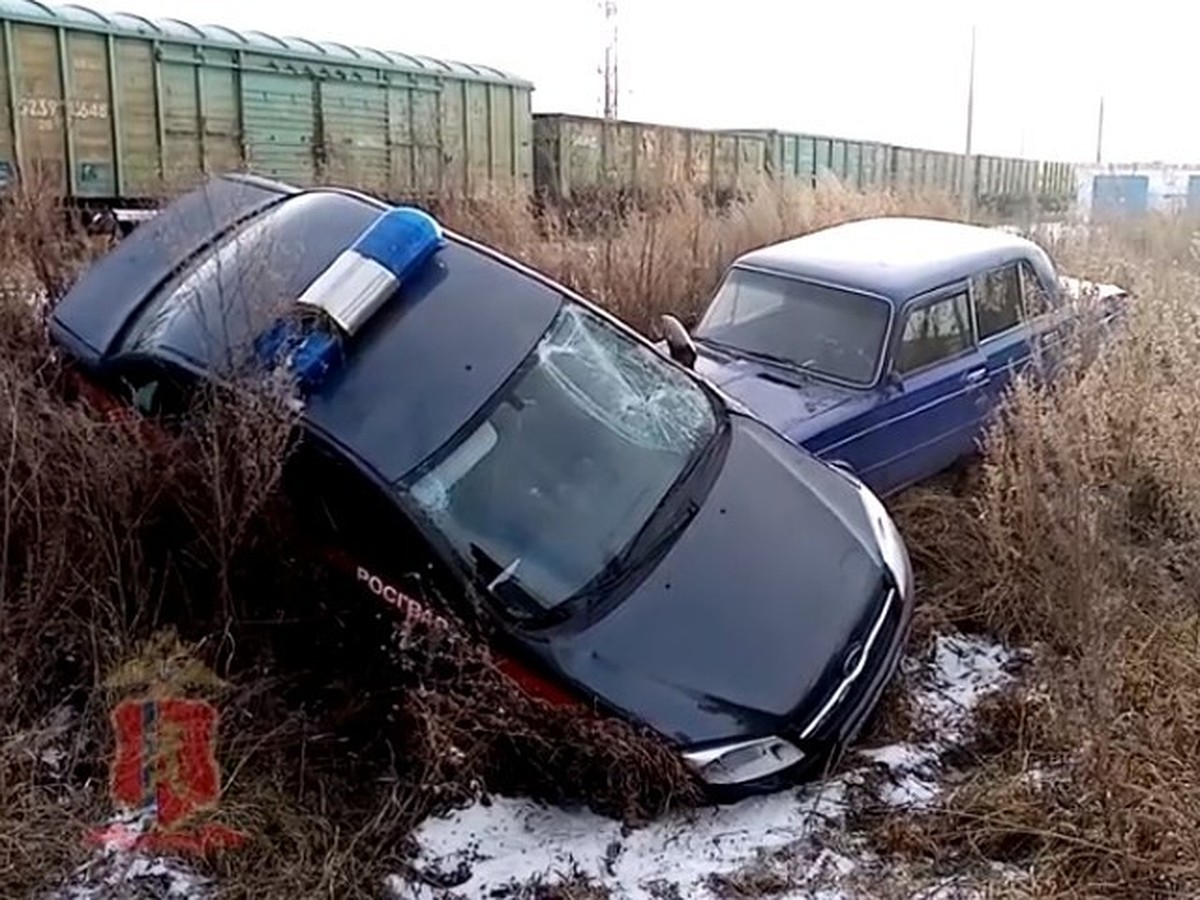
(821, 738)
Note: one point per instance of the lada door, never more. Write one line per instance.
(937, 384)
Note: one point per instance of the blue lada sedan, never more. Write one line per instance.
(886, 344)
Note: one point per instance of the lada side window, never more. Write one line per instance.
(934, 332)
(997, 300)
(1033, 294)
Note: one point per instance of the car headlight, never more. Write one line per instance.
(744, 761)
(891, 545)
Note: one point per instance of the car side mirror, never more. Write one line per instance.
(892, 380)
(679, 342)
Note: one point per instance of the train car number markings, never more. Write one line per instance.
(50, 108)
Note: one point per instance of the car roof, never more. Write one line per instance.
(895, 257)
(424, 364)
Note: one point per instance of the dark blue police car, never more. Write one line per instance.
(639, 545)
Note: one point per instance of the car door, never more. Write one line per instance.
(1002, 333)
(939, 377)
(1042, 310)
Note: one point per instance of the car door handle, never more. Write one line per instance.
(976, 377)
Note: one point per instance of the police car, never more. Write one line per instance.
(641, 547)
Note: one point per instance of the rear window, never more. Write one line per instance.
(211, 311)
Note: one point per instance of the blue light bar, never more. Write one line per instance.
(308, 351)
(368, 272)
(401, 240)
(348, 292)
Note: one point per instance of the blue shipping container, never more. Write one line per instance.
(1120, 195)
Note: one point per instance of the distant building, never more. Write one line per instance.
(1122, 189)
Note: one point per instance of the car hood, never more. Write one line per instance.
(744, 624)
(797, 406)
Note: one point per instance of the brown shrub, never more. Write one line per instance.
(670, 260)
(1082, 541)
(338, 745)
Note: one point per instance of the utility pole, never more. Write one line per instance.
(968, 167)
(611, 91)
(1100, 133)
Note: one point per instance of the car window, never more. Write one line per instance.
(934, 331)
(822, 329)
(573, 458)
(1034, 295)
(997, 301)
(338, 505)
(154, 391)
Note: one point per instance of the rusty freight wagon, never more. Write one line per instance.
(587, 161)
(113, 109)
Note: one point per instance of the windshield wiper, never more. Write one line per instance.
(791, 365)
(639, 553)
(801, 369)
(665, 523)
(504, 586)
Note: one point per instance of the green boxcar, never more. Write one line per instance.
(933, 170)
(799, 158)
(790, 158)
(578, 155)
(982, 175)
(874, 167)
(904, 168)
(941, 171)
(854, 165)
(837, 158)
(956, 173)
(122, 107)
(994, 176)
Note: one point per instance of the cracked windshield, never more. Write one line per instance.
(569, 464)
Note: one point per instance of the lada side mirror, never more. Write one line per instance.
(679, 342)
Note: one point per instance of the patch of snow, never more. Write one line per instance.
(962, 672)
(1084, 289)
(113, 872)
(486, 846)
(971, 886)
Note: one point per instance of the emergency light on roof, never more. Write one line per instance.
(367, 273)
(349, 292)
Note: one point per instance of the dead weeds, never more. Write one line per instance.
(1076, 535)
(1079, 541)
(338, 732)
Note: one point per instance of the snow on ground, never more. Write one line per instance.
(113, 873)
(488, 847)
(797, 839)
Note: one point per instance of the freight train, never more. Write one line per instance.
(115, 111)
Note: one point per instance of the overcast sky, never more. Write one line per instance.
(887, 70)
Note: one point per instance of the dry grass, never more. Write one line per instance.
(333, 737)
(1079, 535)
(1081, 540)
(668, 261)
